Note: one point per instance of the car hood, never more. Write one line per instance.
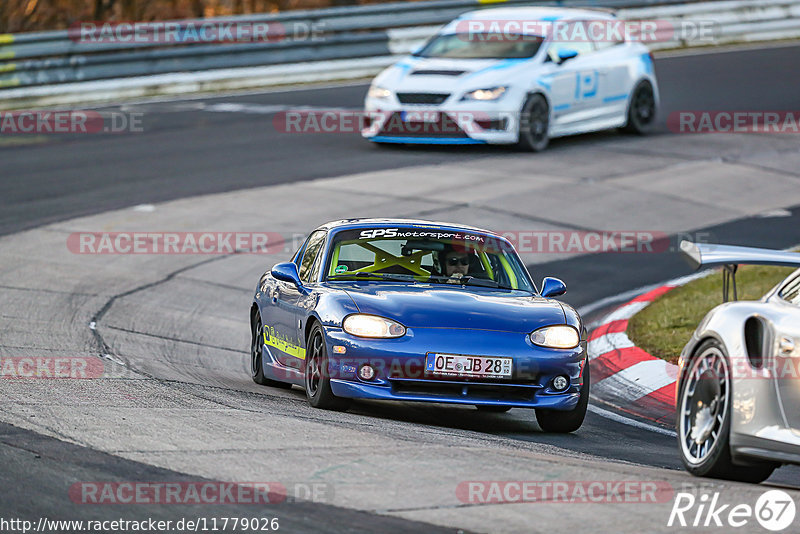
(438, 306)
(474, 74)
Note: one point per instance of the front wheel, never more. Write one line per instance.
(641, 110)
(704, 419)
(563, 422)
(317, 374)
(257, 356)
(534, 124)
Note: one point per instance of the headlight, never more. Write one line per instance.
(378, 92)
(484, 95)
(556, 337)
(372, 326)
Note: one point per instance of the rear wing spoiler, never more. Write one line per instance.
(709, 255)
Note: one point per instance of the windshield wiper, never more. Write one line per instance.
(473, 281)
(466, 280)
(382, 276)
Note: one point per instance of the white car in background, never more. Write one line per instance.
(515, 75)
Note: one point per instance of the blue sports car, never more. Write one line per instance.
(410, 310)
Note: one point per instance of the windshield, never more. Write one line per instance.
(481, 46)
(426, 255)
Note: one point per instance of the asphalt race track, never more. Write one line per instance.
(183, 152)
(176, 402)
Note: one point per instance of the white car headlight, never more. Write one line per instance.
(556, 337)
(372, 326)
(486, 95)
(378, 92)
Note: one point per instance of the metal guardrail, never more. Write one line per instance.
(43, 58)
(46, 58)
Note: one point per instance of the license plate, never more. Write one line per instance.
(461, 365)
(419, 116)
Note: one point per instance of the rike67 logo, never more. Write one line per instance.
(774, 510)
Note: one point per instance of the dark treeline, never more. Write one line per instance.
(36, 15)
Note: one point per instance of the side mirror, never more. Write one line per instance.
(553, 287)
(287, 272)
(566, 54)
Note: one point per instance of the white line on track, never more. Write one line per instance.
(111, 358)
(630, 422)
(165, 99)
(268, 109)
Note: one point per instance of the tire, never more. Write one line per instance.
(642, 110)
(563, 422)
(534, 124)
(703, 411)
(317, 377)
(257, 356)
(492, 408)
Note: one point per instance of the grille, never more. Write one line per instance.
(414, 370)
(422, 98)
(467, 391)
(495, 124)
(444, 127)
(436, 72)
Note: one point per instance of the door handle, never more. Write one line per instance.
(786, 345)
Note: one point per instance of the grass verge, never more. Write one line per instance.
(664, 327)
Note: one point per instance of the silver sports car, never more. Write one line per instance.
(738, 397)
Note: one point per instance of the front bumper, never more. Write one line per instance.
(451, 122)
(401, 374)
